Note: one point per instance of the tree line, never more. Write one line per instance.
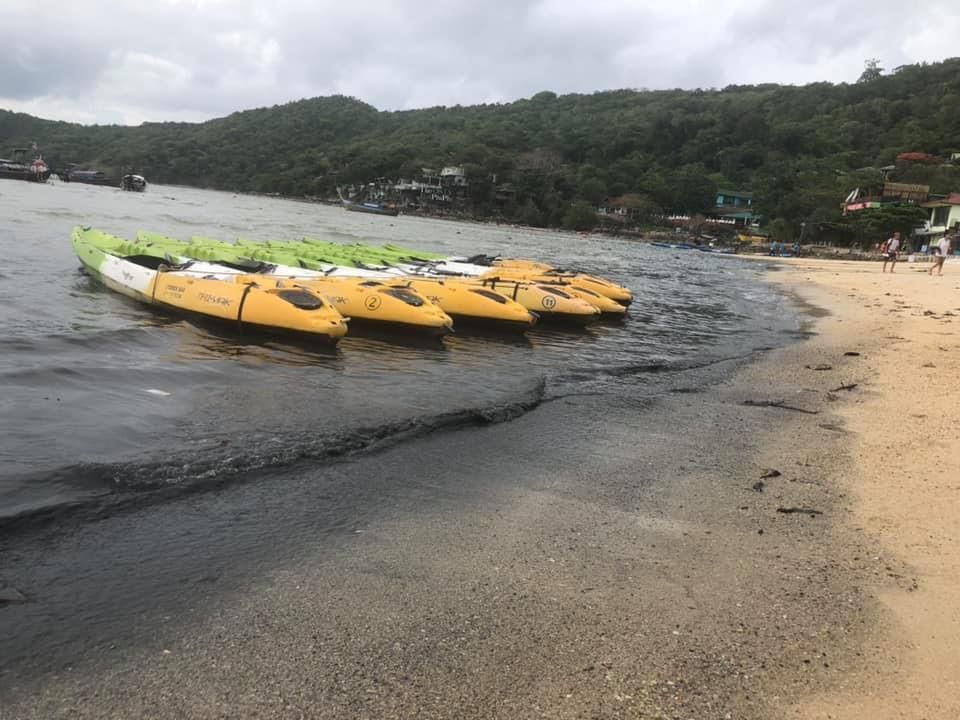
(798, 149)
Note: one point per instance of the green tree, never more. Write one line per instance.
(580, 216)
(695, 192)
(592, 190)
(529, 214)
(801, 150)
(877, 224)
(781, 231)
(642, 208)
(871, 71)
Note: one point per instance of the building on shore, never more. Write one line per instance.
(414, 193)
(943, 210)
(733, 207)
(944, 216)
(443, 189)
(882, 194)
(453, 176)
(631, 207)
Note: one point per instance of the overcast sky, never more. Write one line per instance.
(113, 61)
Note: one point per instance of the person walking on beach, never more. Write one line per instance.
(942, 250)
(890, 253)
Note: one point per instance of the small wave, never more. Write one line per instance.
(39, 376)
(56, 213)
(620, 371)
(89, 338)
(112, 486)
(340, 236)
(179, 220)
(649, 368)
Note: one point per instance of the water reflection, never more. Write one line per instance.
(201, 341)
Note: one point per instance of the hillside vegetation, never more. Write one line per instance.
(799, 149)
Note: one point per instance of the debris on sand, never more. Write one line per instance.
(778, 404)
(851, 386)
(799, 510)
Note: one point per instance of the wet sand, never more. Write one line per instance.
(602, 556)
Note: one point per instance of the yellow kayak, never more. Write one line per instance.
(473, 303)
(250, 301)
(522, 264)
(241, 300)
(549, 302)
(607, 306)
(382, 303)
(598, 285)
(523, 269)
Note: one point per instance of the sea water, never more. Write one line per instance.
(102, 397)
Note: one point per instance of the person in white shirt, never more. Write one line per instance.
(942, 250)
(890, 254)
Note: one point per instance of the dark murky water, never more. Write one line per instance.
(101, 397)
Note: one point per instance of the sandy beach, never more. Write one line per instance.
(903, 483)
(769, 536)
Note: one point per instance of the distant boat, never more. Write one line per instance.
(88, 177)
(19, 169)
(133, 183)
(675, 246)
(691, 246)
(374, 208)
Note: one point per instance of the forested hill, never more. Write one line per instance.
(797, 148)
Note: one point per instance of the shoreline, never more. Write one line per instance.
(507, 578)
(540, 567)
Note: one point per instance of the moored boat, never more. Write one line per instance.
(465, 298)
(88, 177)
(241, 301)
(522, 269)
(133, 183)
(467, 304)
(374, 208)
(607, 297)
(551, 300)
(549, 303)
(17, 168)
(378, 303)
(606, 306)
(477, 266)
(368, 206)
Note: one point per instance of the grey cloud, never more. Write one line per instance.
(54, 71)
(191, 59)
(36, 61)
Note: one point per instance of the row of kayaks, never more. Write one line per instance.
(315, 287)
